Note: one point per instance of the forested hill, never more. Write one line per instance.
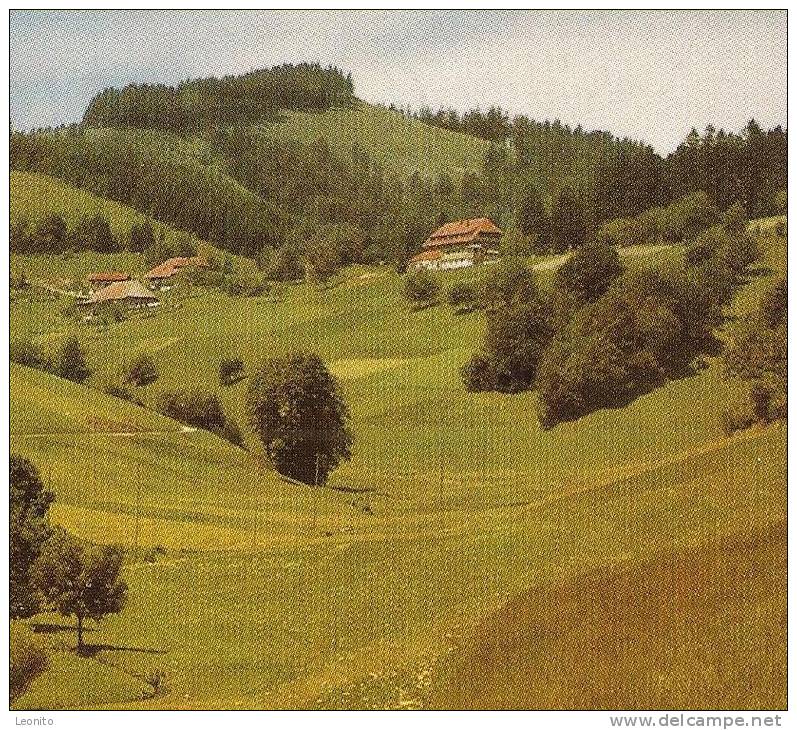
(747, 167)
(286, 164)
(255, 96)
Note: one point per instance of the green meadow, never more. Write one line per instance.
(458, 521)
(405, 144)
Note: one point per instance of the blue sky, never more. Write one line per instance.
(649, 75)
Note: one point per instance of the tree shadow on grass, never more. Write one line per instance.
(91, 650)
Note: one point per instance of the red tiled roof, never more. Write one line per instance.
(171, 266)
(464, 231)
(426, 256)
(108, 276)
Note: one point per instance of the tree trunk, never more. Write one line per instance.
(79, 632)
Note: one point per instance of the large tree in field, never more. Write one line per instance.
(296, 408)
(80, 581)
(28, 505)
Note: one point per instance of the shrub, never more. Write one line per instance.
(94, 233)
(729, 242)
(141, 370)
(207, 276)
(515, 243)
(477, 374)
(23, 351)
(231, 370)
(193, 407)
(284, 264)
(158, 251)
(737, 417)
(621, 232)
(687, 217)
(110, 312)
(421, 288)
(514, 340)
(231, 432)
(244, 285)
(69, 309)
(158, 680)
(508, 280)
(142, 236)
(50, 235)
(636, 334)
(120, 389)
(462, 295)
(70, 361)
(28, 658)
(757, 353)
(589, 272)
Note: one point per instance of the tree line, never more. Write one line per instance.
(257, 96)
(299, 206)
(622, 177)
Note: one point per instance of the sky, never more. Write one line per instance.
(648, 75)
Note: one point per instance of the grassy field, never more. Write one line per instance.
(469, 530)
(124, 474)
(422, 442)
(388, 137)
(389, 622)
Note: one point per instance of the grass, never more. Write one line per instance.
(98, 684)
(400, 373)
(114, 465)
(470, 526)
(404, 144)
(307, 625)
(611, 623)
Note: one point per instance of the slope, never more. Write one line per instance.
(124, 474)
(421, 441)
(404, 144)
(395, 622)
(33, 197)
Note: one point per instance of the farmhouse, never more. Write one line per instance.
(102, 279)
(131, 293)
(459, 244)
(159, 276)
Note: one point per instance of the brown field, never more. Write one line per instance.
(596, 642)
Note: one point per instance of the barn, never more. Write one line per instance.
(160, 275)
(102, 279)
(130, 293)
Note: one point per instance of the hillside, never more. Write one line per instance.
(402, 143)
(456, 515)
(400, 373)
(737, 586)
(395, 617)
(186, 488)
(34, 197)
